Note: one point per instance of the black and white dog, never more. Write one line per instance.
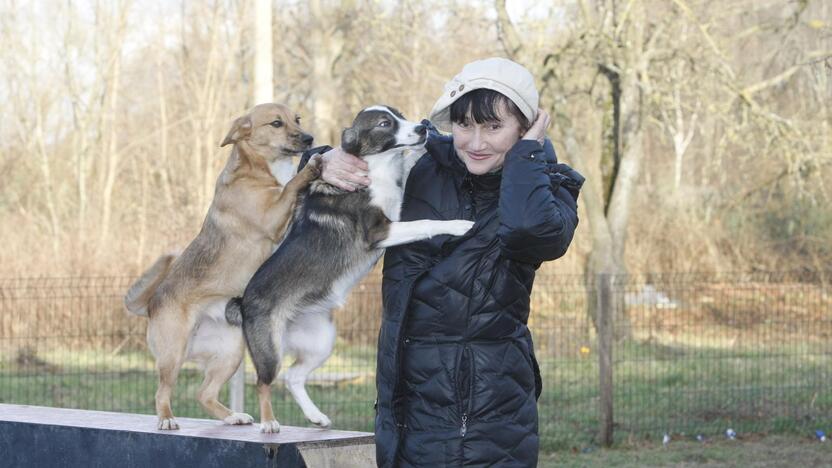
(335, 239)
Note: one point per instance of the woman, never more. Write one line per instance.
(457, 378)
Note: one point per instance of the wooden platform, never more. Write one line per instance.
(40, 436)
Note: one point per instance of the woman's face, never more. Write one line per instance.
(483, 146)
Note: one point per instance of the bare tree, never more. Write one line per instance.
(702, 127)
(263, 55)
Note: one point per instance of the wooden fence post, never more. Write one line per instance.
(605, 313)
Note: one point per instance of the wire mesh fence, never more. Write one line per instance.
(691, 355)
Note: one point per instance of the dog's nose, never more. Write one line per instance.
(421, 130)
(306, 138)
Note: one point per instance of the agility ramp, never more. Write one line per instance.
(32, 436)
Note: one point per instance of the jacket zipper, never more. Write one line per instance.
(466, 410)
(465, 350)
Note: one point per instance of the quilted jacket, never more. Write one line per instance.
(457, 378)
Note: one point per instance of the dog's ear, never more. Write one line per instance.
(239, 129)
(349, 142)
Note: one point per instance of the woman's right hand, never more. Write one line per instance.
(538, 128)
(344, 170)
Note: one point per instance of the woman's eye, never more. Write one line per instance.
(384, 123)
(495, 126)
(297, 120)
(276, 124)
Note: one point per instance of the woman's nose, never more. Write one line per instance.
(477, 140)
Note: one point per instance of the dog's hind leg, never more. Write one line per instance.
(217, 374)
(167, 336)
(258, 334)
(310, 339)
(223, 348)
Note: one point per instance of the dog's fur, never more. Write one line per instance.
(335, 239)
(185, 295)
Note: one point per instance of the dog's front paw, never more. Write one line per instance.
(167, 424)
(458, 227)
(310, 172)
(313, 167)
(269, 427)
(238, 419)
(320, 420)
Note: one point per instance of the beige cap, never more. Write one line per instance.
(508, 78)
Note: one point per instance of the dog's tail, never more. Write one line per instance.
(234, 311)
(140, 292)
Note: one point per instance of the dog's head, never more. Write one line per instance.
(270, 130)
(377, 129)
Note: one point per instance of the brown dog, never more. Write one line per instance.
(184, 296)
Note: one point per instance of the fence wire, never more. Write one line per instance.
(693, 354)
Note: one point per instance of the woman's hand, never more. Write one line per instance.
(538, 129)
(344, 170)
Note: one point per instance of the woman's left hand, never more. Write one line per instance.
(538, 128)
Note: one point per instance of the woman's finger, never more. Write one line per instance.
(538, 128)
(338, 182)
(344, 170)
(344, 180)
(341, 158)
(356, 178)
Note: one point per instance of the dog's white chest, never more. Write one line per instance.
(283, 170)
(387, 187)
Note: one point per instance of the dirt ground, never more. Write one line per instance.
(772, 451)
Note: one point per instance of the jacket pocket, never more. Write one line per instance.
(465, 387)
(531, 361)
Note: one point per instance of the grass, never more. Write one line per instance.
(658, 389)
(770, 451)
(569, 408)
(684, 390)
(349, 405)
(126, 382)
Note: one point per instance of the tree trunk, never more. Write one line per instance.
(263, 58)
(54, 222)
(112, 155)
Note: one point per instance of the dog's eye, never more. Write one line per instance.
(276, 124)
(384, 123)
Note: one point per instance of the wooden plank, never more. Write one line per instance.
(41, 436)
(189, 427)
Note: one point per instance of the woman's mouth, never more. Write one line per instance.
(478, 156)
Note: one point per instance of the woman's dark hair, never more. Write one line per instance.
(483, 105)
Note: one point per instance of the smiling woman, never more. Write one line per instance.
(486, 125)
(457, 378)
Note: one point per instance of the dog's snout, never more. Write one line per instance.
(306, 138)
(421, 130)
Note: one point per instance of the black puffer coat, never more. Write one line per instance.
(457, 379)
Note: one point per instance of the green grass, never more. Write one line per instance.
(658, 389)
(772, 451)
(686, 390)
(126, 382)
